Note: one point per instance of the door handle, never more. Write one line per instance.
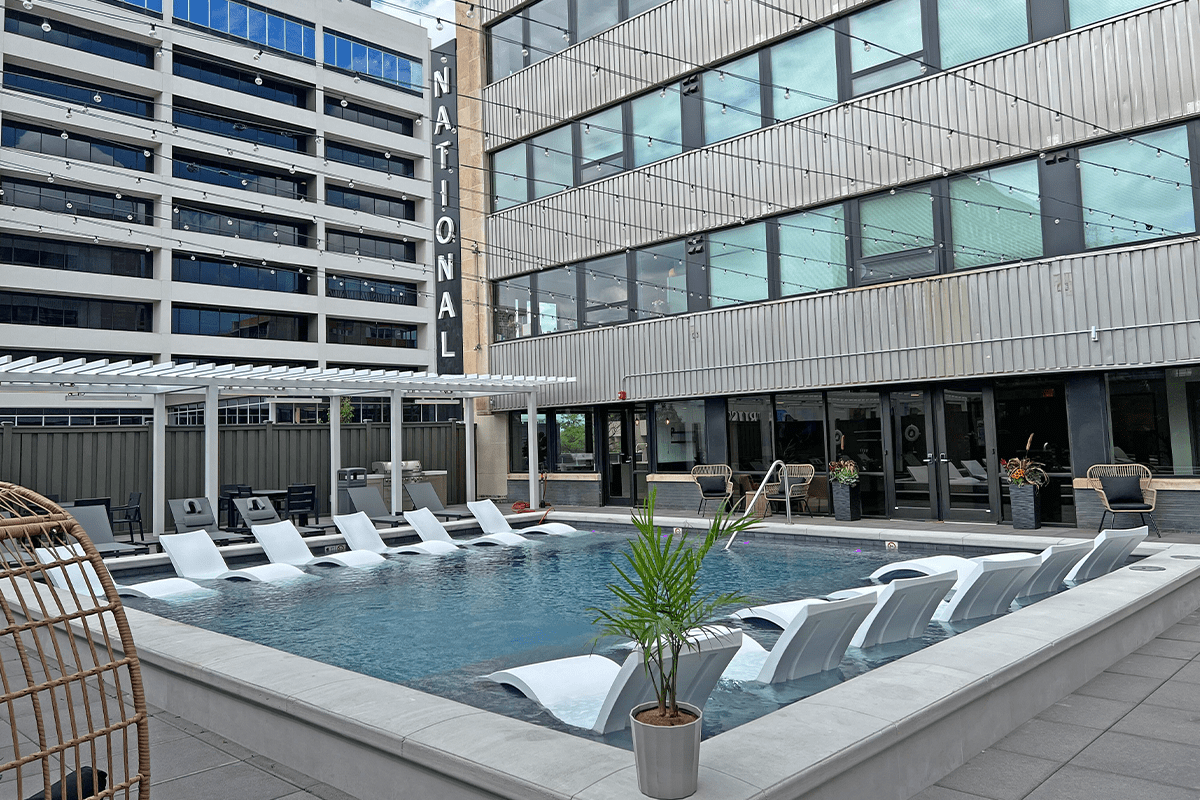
(928, 457)
(943, 458)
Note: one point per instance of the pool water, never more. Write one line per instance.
(440, 624)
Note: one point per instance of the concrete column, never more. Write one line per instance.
(531, 410)
(212, 488)
(469, 421)
(335, 451)
(158, 466)
(397, 451)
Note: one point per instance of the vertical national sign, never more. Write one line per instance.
(446, 174)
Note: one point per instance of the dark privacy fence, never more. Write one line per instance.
(114, 461)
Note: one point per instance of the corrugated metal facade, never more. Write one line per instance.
(1144, 303)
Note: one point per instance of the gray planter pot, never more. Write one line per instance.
(1026, 507)
(667, 759)
(847, 501)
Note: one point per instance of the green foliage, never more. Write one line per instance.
(659, 600)
(347, 411)
(843, 471)
(572, 433)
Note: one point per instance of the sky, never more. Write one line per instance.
(434, 8)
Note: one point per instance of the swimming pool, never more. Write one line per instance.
(440, 624)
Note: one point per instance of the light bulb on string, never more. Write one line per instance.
(46, 25)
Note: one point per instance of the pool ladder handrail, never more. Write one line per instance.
(761, 488)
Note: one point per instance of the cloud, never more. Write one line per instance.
(427, 14)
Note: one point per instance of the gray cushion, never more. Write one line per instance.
(711, 485)
(1124, 489)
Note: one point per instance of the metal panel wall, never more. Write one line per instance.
(1028, 318)
(1124, 75)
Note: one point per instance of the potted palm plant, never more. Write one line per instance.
(661, 607)
(844, 491)
(1026, 478)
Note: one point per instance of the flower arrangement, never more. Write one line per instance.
(1025, 471)
(844, 470)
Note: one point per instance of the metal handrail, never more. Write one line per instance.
(761, 488)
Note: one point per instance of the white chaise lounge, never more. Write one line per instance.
(361, 534)
(1110, 551)
(283, 545)
(903, 608)
(82, 577)
(492, 520)
(430, 529)
(815, 636)
(595, 692)
(985, 587)
(195, 555)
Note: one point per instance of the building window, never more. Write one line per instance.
(732, 105)
(238, 323)
(370, 159)
(1155, 416)
(1154, 170)
(518, 454)
(800, 429)
(661, 280)
(370, 290)
(557, 295)
(228, 76)
(78, 202)
(371, 246)
(26, 251)
(154, 6)
(511, 317)
(606, 290)
(996, 215)
(510, 184)
(896, 236)
(224, 272)
(373, 334)
(370, 203)
(971, 29)
(215, 122)
(858, 434)
(657, 127)
(1085, 12)
(370, 61)
(505, 47)
(804, 75)
(876, 36)
(17, 308)
(353, 112)
(812, 251)
(1037, 407)
(549, 29)
(573, 441)
(77, 38)
(44, 84)
(553, 164)
(679, 432)
(748, 425)
(215, 173)
(240, 226)
(737, 265)
(602, 144)
(75, 147)
(596, 16)
(252, 24)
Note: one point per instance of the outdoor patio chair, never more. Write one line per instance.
(430, 529)
(715, 482)
(94, 520)
(360, 534)
(423, 495)
(129, 515)
(283, 545)
(195, 514)
(301, 501)
(813, 641)
(1110, 550)
(799, 477)
(491, 519)
(368, 500)
(106, 502)
(975, 469)
(229, 492)
(68, 567)
(64, 650)
(986, 585)
(1124, 489)
(595, 692)
(195, 555)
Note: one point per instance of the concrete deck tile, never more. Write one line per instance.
(286, 773)
(1158, 722)
(238, 780)
(1045, 739)
(1075, 783)
(162, 731)
(1148, 666)
(1090, 712)
(1000, 775)
(1186, 631)
(1149, 759)
(1177, 694)
(1117, 686)
(185, 756)
(326, 792)
(936, 792)
(1190, 673)
(1171, 648)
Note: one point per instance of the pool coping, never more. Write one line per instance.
(886, 734)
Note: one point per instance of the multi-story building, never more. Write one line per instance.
(216, 180)
(928, 235)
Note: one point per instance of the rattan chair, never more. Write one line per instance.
(799, 477)
(71, 680)
(1124, 489)
(715, 482)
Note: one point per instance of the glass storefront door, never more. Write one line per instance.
(626, 454)
(968, 483)
(912, 457)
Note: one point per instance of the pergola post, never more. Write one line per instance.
(335, 451)
(212, 488)
(397, 432)
(469, 422)
(531, 409)
(158, 466)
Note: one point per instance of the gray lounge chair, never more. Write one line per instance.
(368, 500)
(260, 511)
(94, 520)
(424, 495)
(195, 514)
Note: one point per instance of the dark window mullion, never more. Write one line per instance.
(943, 230)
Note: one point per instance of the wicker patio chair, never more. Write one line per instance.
(69, 673)
(1124, 489)
(799, 477)
(715, 482)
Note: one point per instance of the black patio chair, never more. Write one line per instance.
(129, 515)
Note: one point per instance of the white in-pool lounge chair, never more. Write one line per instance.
(986, 585)
(598, 693)
(430, 529)
(82, 576)
(283, 545)
(360, 533)
(1110, 551)
(903, 608)
(492, 520)
(195, 555)
(815, 636)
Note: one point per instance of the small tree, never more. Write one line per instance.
(347, 411)
(659, 604)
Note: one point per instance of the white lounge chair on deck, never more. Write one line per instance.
(815, 636)
(361, 534)
(1110, 551)
(595, 692)
(430, 529)
(82, 576)
(903, 608)
(492, 520)
(195, 555)
(283, 545)
(986, 585)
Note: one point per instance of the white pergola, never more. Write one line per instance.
(82, 377)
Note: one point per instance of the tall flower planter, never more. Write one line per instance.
(667, 760)
(847, 501)
(1026, 507)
